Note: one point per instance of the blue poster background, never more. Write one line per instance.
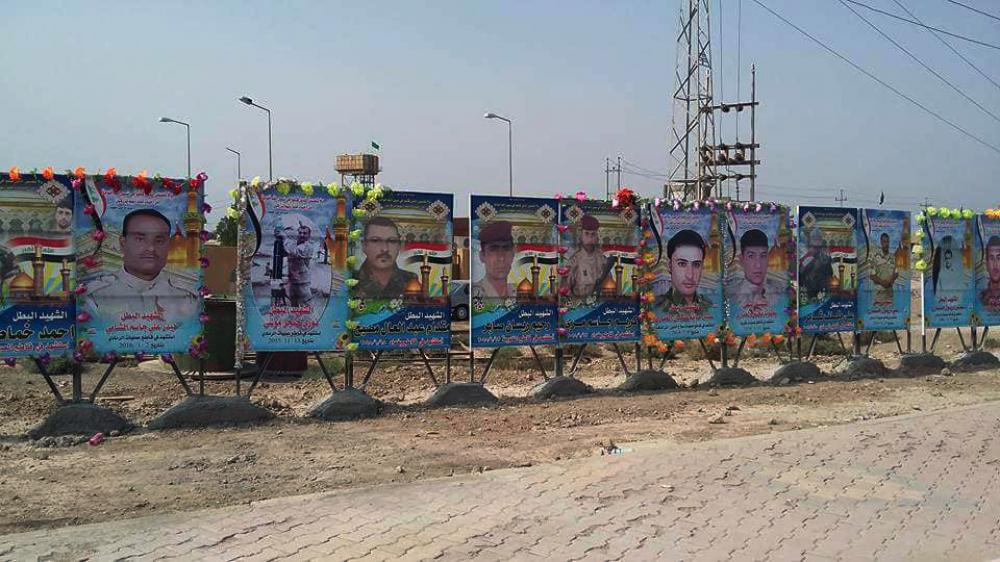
(679, 313)
(827, 269)
(522, 309)
(601, 307)
(37, 311)
(881, 307)
(413, 310)
(128, 314)
(279, 316)
(948, 285)
(987, 257)
(751, 307)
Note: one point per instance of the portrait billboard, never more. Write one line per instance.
(687, 272)
(138, 244)
(827, 269)
(404, 258)
(514, 261)
(884, 270)
(37, 309)
(599, 278)
(296, 298)
(987, 298)
(759, 264)
(948, 284)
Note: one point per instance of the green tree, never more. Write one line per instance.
(225, 231)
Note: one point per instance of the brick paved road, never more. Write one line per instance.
(922, 487)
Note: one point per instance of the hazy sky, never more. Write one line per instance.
(84, 83)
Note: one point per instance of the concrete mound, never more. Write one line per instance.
(460, 393)
(205, 411)
(347, 404)
(560, 386)
(80, 419)
(648, 380)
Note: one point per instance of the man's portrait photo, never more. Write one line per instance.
(379, 276)
(815, 266)
(686, 263)
(883, 272)
(141, 285)
(947, 274)
(754, 288)
(990, 296)
(496, 252)
(298, 249)
(588, 266)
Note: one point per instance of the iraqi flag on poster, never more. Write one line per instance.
(437, 253)
(56, 248)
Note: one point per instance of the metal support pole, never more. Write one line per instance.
(559, 361)
(348, 369)
(705, 349)
(538, 361)
(447, 368)
(326, 373)
(961, 339)
(724, 354)
(739, 352)
(260, 373)
(43, 370)
(489, 365)
(638, 357)
(371, 369)
(975, 345)
(107, 373)
(77, 375)
(576, 359)
(621, 359)
(909, 341)
(899, 345)
(937, 332)
(427, 363)
(201, 376)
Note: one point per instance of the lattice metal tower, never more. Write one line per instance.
(692, 167)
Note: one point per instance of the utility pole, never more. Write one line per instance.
(618, 168)
(841, 199)
(607, 179)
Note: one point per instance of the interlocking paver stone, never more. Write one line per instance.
(920, 487)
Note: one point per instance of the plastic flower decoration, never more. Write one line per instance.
(307, 188)
(48, 174)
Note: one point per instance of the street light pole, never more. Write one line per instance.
(270, 159)
(510, 149)
(188, 127)
(239, 172)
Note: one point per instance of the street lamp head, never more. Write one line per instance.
(246, 100)
(490, 115)
(166, 120)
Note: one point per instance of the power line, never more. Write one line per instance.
(900, 18)
(947, 44)
(879, 80)
(967, 7)
(920, 62)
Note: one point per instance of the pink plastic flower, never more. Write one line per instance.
(206, 208)
(581, 196)
(563, 271)
(83, 316)
(204, 262)
(561, 331)
(98, 235)
(167, 358)
(79, 290)
(89, 209)
(562, 228)
(205, 236)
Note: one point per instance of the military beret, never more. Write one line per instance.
(497, 231)
(589, 222)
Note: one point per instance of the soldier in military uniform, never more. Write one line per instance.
(686, 261)
(496, 244)
(990, 296)
(816, 266)
(883, 271)
(141, 286)
(380, 277)
(755, 289)
(588, 267)
(299, 252)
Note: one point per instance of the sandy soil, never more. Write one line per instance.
(146, 472)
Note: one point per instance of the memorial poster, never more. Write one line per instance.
(138, 243)
(296, 298)
(987, 258)
(514, 271)
(687, 272)
(404, 256)
(37, 308)
(599, 300)
(759, 263)
(827, 269)
(884, 270)
(948, 286)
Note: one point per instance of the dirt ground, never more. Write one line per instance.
(145, 472)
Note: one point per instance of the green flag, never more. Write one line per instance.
(375, 145)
